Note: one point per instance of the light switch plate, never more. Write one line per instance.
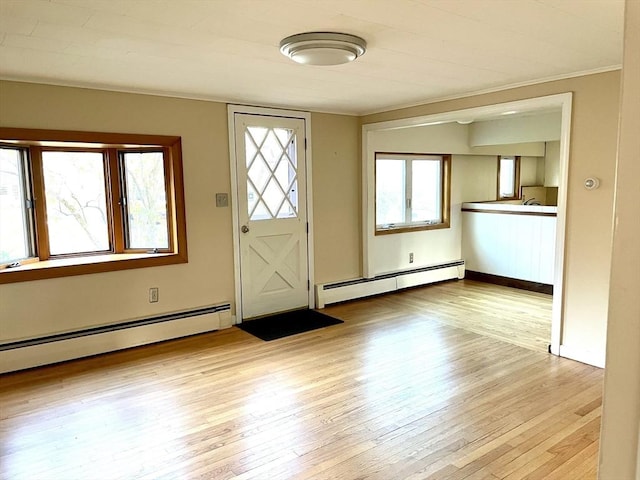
(222, 199)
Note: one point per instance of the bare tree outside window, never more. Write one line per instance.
(76, 204)
(111, 201)
(146, 200)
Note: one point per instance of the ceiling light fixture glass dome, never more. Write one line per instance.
(323, 48)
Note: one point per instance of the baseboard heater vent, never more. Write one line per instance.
(388, 282)
(59, 347)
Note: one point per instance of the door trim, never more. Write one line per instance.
(232, 110)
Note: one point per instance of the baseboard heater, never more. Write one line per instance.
(363, 287)
(59, 347)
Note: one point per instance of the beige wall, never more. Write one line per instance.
(76, 302)
(531, 128)
(529, 171)
(552, 164)
(336, 197)
(588, 238)
(620, 445)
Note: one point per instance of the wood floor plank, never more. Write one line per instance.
(450, 381)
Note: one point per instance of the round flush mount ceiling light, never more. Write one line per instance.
(323, 48)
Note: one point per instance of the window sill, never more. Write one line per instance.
(410, 228)
(71, 266)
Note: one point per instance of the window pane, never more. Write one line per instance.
(507, 177)
(146, 203)
(426, 191)
(15, 241)
(76, 203)
(390, 191)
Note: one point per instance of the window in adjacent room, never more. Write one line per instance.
(412, 192)
(79, 202)
(508, 177)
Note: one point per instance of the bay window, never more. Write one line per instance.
(80, 202)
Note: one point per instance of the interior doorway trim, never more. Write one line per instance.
(232, 110)
(562, 101)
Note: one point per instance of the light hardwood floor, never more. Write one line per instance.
(515, 316)
(399, 391)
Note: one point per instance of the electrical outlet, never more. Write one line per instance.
(411, 257)
(153, 295)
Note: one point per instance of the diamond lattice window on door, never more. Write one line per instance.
(271, 173)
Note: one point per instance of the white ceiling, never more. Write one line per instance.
(418, 50)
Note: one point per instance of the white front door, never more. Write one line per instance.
(272, 213)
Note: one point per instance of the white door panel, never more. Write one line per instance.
(272, 213)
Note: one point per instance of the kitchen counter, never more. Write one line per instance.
(510, 240)
(511, 208)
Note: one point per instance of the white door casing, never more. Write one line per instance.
(270, 214)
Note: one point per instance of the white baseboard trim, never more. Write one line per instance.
(327, 294)
(590, 357)
(61, 347)
(226, 319)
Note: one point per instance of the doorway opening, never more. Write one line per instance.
(372, 133)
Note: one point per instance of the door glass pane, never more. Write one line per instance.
(146, 205)
(260, 212)
(272, 150)
(288, 141)
(426, 191)
(76, 203)
(15, 238)
(253, 138)
(286, 177)
(289, 208)
(250, 149)
(288, 174)
(390, 191)
(259, 174)
(271, 173)
(273, 197)
(252, 198)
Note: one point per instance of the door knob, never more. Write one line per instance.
(244, 229)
